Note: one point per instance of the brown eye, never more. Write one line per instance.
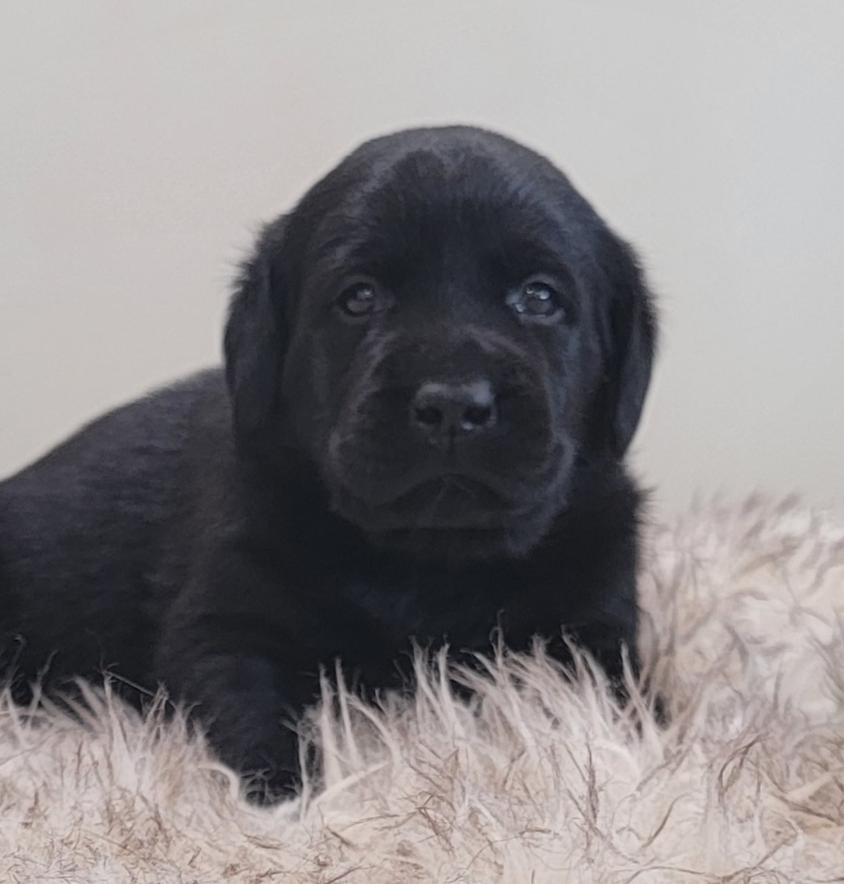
(358, 300)
(536, 300)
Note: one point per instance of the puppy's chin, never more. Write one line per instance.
(454, 519)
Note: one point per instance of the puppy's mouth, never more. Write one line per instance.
(445, 501)
(452, 517)
(455, 516)
(451, 500)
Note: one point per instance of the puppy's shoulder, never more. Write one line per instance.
(121, 468)
(148, 428)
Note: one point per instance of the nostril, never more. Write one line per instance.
(476, 416)
(428, 415)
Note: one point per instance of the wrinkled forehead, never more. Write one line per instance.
(427, 208)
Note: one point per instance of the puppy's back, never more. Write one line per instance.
(92, 534)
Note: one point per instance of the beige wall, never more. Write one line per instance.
(142, 142)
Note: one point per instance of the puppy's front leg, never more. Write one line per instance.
(232, 651)
(246, 714)
(608, 632)
(614, 649)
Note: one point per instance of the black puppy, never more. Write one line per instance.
(434, 366)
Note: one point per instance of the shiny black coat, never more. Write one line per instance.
(229, 535)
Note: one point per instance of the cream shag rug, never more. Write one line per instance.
(536, 780)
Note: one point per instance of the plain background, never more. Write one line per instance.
(143, 143)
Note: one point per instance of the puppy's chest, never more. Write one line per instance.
(424, 616)
(432, 609)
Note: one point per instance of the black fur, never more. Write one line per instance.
(230, 534)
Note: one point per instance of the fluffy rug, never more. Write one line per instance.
(538, 779)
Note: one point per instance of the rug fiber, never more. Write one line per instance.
(537, 779)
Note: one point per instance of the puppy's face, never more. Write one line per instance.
(438, 322)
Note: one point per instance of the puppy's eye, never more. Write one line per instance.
(536, 301)
(359, 300)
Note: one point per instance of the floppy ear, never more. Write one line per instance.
(631, 346)
(254, 339)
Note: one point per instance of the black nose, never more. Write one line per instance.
(446, 411)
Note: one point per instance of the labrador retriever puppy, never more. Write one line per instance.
(433, 368)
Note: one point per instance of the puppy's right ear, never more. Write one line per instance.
(255, 340)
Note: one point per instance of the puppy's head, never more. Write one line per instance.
(447, 330)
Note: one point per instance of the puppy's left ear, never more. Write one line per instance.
(631, 345)
(255, 339)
